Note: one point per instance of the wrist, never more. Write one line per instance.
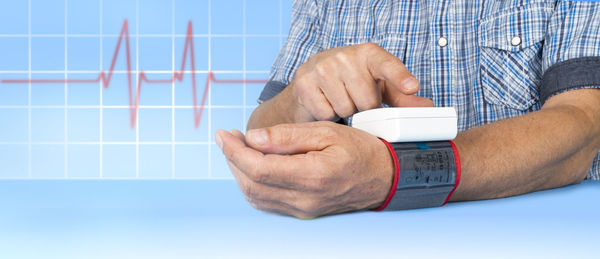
(281, 109)
(293, 108)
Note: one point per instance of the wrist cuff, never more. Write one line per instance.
(430, 174)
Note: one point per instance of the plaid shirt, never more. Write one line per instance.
(494, 62)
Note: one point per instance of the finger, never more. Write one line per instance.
(238, 134)
(335, 92)
(363, 90)
(281, 209)
(314, 101)
(299, 172)
(401, 100)
(272, 198)
(289, 210)
(256, 199)
(260, 191)
(415, 101)
(292, 138)
(395, 98)
(384, 66)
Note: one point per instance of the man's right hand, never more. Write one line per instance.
(341, 81)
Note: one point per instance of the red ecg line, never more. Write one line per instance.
(177, 76)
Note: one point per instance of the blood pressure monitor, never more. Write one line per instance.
(426, 161)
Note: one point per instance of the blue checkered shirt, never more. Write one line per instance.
(492, 66)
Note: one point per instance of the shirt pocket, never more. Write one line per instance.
(511, 44)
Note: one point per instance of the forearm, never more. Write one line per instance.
(549, 148)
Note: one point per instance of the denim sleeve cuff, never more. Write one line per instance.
(272, 88)
(571, 74)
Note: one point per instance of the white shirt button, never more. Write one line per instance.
(516, 41)
(442, 42)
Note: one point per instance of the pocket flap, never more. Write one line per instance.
(515, 29)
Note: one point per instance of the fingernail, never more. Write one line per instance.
(218, 140)
(258, 136)
(410, 84)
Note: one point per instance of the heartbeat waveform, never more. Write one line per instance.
(105, 78)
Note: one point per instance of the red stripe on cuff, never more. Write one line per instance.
(396, 175)
(457, 158)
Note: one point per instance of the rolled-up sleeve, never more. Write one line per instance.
(301, 44)
(571, 55)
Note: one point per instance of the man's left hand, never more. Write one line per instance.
(310, 169)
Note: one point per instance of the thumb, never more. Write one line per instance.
(291, 138)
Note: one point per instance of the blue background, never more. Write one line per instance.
(79, 130)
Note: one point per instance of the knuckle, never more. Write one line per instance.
(392, 62)
(300, 85)
(386, 63)
(369, 46)
(259, 176)
(251, 191)
(248, 190)
(346, 112)
(301, 93)
(255, 174)
(368, 104)
(343, 57)
(345, 109)
(324, 114)
(256, 204)
(282, 134)
(229, 152)
(326, 130)
(322, 69)
(308, 207)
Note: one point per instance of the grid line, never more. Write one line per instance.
(66, 95)
(75, 35)
(101, 115)
(137, 92)
(29, 156)
(107, 107)
(173, 90)
(209, 17)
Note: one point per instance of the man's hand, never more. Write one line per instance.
(310, 169)
(339, 82)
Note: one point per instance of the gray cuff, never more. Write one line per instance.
(571, 74)
(272, 88)
(428, 174)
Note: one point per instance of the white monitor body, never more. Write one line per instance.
(400, 124)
